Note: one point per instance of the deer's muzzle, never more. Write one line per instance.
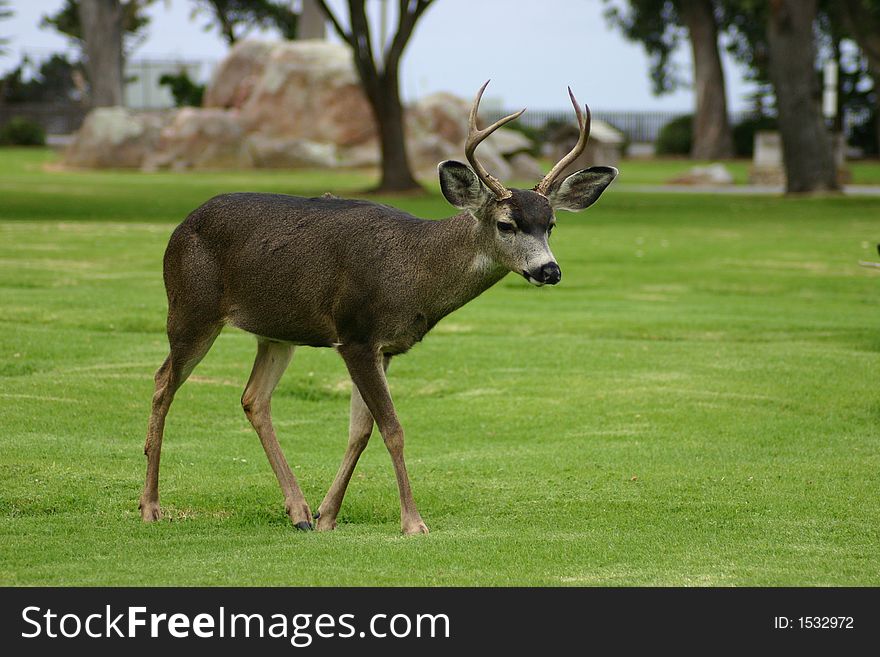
(548, 274)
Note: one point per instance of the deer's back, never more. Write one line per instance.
(308, 270)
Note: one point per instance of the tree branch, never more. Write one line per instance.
(345, 36)
(360, 29)
(409, 13)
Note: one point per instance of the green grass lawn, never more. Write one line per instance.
(695, 404)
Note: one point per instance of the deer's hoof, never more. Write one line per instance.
(150, 511)
(414, 528)
(299, 513)
(325, 524)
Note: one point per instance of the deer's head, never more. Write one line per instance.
(515, 224)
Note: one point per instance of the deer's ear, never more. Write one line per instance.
(581, 189)
(460, 185)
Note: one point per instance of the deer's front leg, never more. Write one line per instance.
(364, 363)
(359, 429)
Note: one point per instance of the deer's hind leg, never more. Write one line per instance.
(187, 349)
(194, 321)
(272, 359)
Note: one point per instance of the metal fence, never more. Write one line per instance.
(142, 87)
(638, 126)
(645, 126)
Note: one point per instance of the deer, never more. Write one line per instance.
(365, 279)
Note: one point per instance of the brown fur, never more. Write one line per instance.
(367, 279)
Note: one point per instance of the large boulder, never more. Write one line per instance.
(288, 153)
(508, 143)
(235, 78)
(287, 104)
(441, 114)
(525, 168)
(436, 129)
(115, 137)
(200, 139)
(309, 90)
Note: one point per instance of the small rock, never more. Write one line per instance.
(714, 174)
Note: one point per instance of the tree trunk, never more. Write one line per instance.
(806, 144)
(381, 83)
(102, 35)
(312, 23)
(713, 139)
(388, 111)
(864, 26)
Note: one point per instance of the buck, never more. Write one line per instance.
(365, 279)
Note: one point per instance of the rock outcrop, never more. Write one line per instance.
(287, 105)
(115, 137)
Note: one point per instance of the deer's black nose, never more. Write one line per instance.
(550, 274)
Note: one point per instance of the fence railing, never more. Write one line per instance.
(645, 126)
(638, 126)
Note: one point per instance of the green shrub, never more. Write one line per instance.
(744, 133)
(20, 131)
(185, 91)
(864, 135)
(676, 137)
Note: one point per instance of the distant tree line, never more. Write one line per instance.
(780, 41)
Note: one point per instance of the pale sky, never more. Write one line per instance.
(531, 49)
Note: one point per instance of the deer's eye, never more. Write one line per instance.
(505, 227)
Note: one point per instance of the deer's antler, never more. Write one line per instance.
(476, 136)
(584, 125)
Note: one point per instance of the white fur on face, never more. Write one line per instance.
(482, 263)
(536, 251)
(522, 253)
(533, 281)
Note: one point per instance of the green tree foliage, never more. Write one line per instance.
(745, 21)
(234, 19)
(5, 12)
(53, 82)
(676, 137)
(134, 22)
(20, 131)
(656, 25)
(745, 25)
(186, 92)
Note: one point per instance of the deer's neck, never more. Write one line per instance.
(456, 265)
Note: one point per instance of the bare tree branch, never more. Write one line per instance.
(345, 36)
(363, 44)
(410, 12)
